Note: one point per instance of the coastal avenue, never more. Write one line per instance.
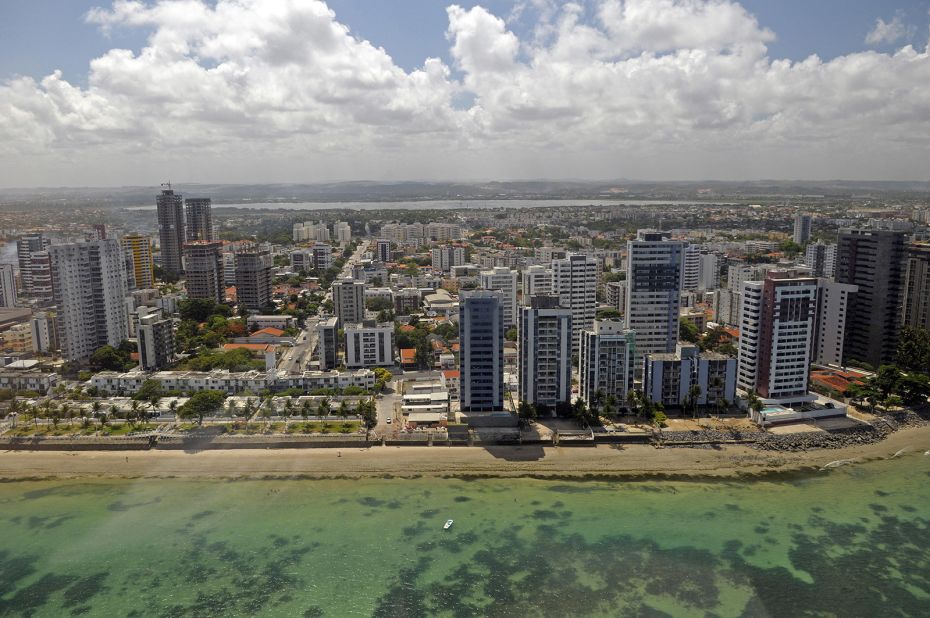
(296, 359)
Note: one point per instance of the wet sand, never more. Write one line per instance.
(605, 460)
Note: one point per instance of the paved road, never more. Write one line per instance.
(296, 359)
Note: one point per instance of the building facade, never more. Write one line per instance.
(915, 306)
(199, 219)
(446, 257)
(89, 281)
(204, 264)
(8, 297)
(35, 269)
(545, 353)
(690, 377)
(369, 344)
(821, 259)
(253, 279)
(505, 281)
(653, 291)
(605, 363)
(776, 332)
(328, 343)
(574, 281)
(802, 228)
(349, 301)
(155, 339)
(830, 328)
(171, 232)
(874, 261)
(138, 250)
(481, 338)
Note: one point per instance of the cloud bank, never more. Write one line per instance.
(278, 90)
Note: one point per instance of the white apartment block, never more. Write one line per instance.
(606, 362)
(447, 257)
(653, 293)
(369, 344)
(669, 377)
(830, 332)
(7, 286)
(776, 332)
(536, 280)
(349, 301)
(90, 289)
(504, 280)
(574, 281)
(545, 353)
(342, 232)
(821, 259)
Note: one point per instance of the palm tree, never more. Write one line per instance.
(323, 411)
(134, 408)
(67, 412)
(753, 402)
(692, 399)
(95, 408)
(173, 407)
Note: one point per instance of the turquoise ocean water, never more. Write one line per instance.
(853, 541)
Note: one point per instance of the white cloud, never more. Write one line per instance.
(273, 90)
(890, 32)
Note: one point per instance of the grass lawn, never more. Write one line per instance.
(76, 429)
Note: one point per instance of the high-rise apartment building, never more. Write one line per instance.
(204, 264)
(873, 260)
(328, 343)
(504, 280)
(34, 266)
(342, 232)
(171, 234)
(605, 363)
(536, 280)
(653, 291)
(155, 339)
(802, 228)
(574, 281)
(44, 332)
(777, 328)
(7, 286)
(447, 256)
(830, 328)
(545, 353)
(89, 283)
(691, 270)
(253, 279)
(349, 301)
(383, 252)
(481, 337)
(199, 218)
(138, 250)
(821, 259)
(915, 306)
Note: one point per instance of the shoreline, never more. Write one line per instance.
(603, 462)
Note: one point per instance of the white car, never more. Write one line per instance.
(389, 420)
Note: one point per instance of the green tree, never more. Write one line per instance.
(687, 331)
(527, 412)
(913, 352)
(150, 392)
(201, 404)
(108, 358)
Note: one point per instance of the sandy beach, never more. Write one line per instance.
(626, 461)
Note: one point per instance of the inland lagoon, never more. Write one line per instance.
(849, 541)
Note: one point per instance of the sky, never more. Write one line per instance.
(129, 92)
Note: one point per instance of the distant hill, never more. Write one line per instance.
(363, 191)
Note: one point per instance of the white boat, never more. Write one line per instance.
(447, 525)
